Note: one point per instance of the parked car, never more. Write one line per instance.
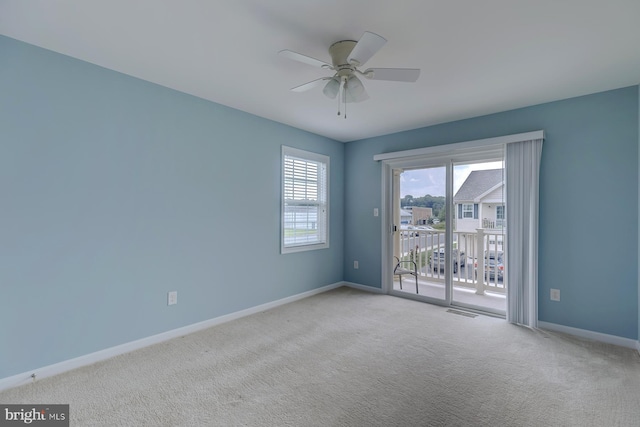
(438, 259)
(408, 230)
(493, 265)
(411, 231)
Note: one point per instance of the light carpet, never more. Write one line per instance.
(351, 358)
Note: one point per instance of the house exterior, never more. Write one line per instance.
(421, 215)
(479, 203)
(406, 216)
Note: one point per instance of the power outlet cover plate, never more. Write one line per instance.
(172, 298)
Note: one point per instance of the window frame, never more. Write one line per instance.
(322, 201)
(467, 208)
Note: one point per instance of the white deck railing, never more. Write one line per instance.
(497, 224)
(471, 252)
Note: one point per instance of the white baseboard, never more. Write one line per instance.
(88, 359)
(595, 336)
(363, 287)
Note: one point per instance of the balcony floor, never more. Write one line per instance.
(463, 295)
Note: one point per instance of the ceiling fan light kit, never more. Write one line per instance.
(346, 57)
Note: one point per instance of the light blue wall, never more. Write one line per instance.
(115, 191)
(588, 204)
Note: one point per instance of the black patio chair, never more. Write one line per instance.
(404, 267)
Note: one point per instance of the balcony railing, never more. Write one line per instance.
(472, 254)
(489, 224)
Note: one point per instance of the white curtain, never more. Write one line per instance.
(522, 178)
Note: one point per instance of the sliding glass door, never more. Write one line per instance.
(479, 233)
(448, 231)
(419, 243)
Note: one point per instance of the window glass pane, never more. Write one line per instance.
(467, 210)
(301, 225)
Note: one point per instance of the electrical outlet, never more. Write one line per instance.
(375, 211)
(555, 294)
(355, 264)
(172, 298)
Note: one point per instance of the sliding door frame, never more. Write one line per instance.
(447, 154)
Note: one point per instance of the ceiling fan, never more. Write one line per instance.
(346, 57)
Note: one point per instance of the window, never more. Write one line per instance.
(467, 210)
(500, 212)
(305, 200)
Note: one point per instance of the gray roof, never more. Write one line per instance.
(477, 183)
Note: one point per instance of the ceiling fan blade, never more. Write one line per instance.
(366, 47)
(304, 59)
(393, 74)
(355, 91)
(310, 85)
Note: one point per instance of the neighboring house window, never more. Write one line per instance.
(467, 210)
(305, 200)
(500, 222)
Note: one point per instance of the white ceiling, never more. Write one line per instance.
(477, 56)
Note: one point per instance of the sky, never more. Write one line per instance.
(420, 182)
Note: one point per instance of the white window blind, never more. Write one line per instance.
(305, 200)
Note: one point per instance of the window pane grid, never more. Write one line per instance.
(467, 210)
